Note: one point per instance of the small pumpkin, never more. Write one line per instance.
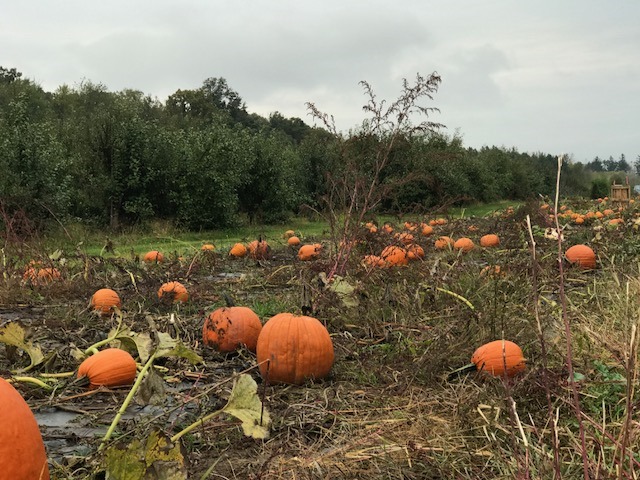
(309, 252)
(499, 358)
(259, 249)
(227, 328)
(395, 256)
(581, 255)
(293, 241)
(373, 261)
(415, 252)
(238, 250)
(22, 452)
(104, 301)
(465, 244)
(388, 228)
(208, 247)
(154, 256)
(405, 238)
(426, 229)
(294, 348)
(289, 234)
(175, 291)
(49, 274)
(111, 367)
(443, 243)
(489, 240)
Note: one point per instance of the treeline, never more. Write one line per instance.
(202, 161)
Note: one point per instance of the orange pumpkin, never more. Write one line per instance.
(46, 275)
(426, 230)
(293, 241)
(394, 256)
(309, 252)
(259, 249)
(208, 247)
(111, 367)
(465, 244)
(227, 328)
(388, 228)
(581, 255)
(104, 300)
(499, 358)
(415, 252)
(405, 237)
(490, 240)
(22, 452)
(289, 234)
(293, 349)
(373, 261)
(238, 250)
(154, 256)
(443, 243)
(175, 290)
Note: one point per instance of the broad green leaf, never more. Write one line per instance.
(13, 334)
(155, 459)
(344, 290)
(140, 341)
(171, 347)
(245, 405)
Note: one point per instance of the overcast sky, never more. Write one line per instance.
(546, 76)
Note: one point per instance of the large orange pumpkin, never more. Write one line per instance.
(154, 256)
(426, 229)
(293, 348)
(490, 240)
(111, 367)
(238, 250)
(395, 256)
(259, 249)
(415, 252)
(174, 290)
(465, 244)
(104, 300)
(227, 328)
(581, 255)
(309, 251)
(22, 453)
(499, 358)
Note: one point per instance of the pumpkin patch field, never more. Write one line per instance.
(429, 347)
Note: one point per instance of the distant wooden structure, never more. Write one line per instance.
(620, 194)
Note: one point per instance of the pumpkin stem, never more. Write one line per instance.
(307, 304)
(461, 371)
(228, 300)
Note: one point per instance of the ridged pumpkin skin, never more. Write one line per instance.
(22, 453)
(111, 367)
(153, 256)
(238, 250)
(104, 300)
(443, 243)
(395, 256)
(492, 357)
(227, 328)
(581, 255)
(175, 290)
(465, 244)
(490, 240)
(298, 347)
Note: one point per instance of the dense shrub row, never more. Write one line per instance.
(201, 160)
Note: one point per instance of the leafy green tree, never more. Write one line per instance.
(595, 165)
